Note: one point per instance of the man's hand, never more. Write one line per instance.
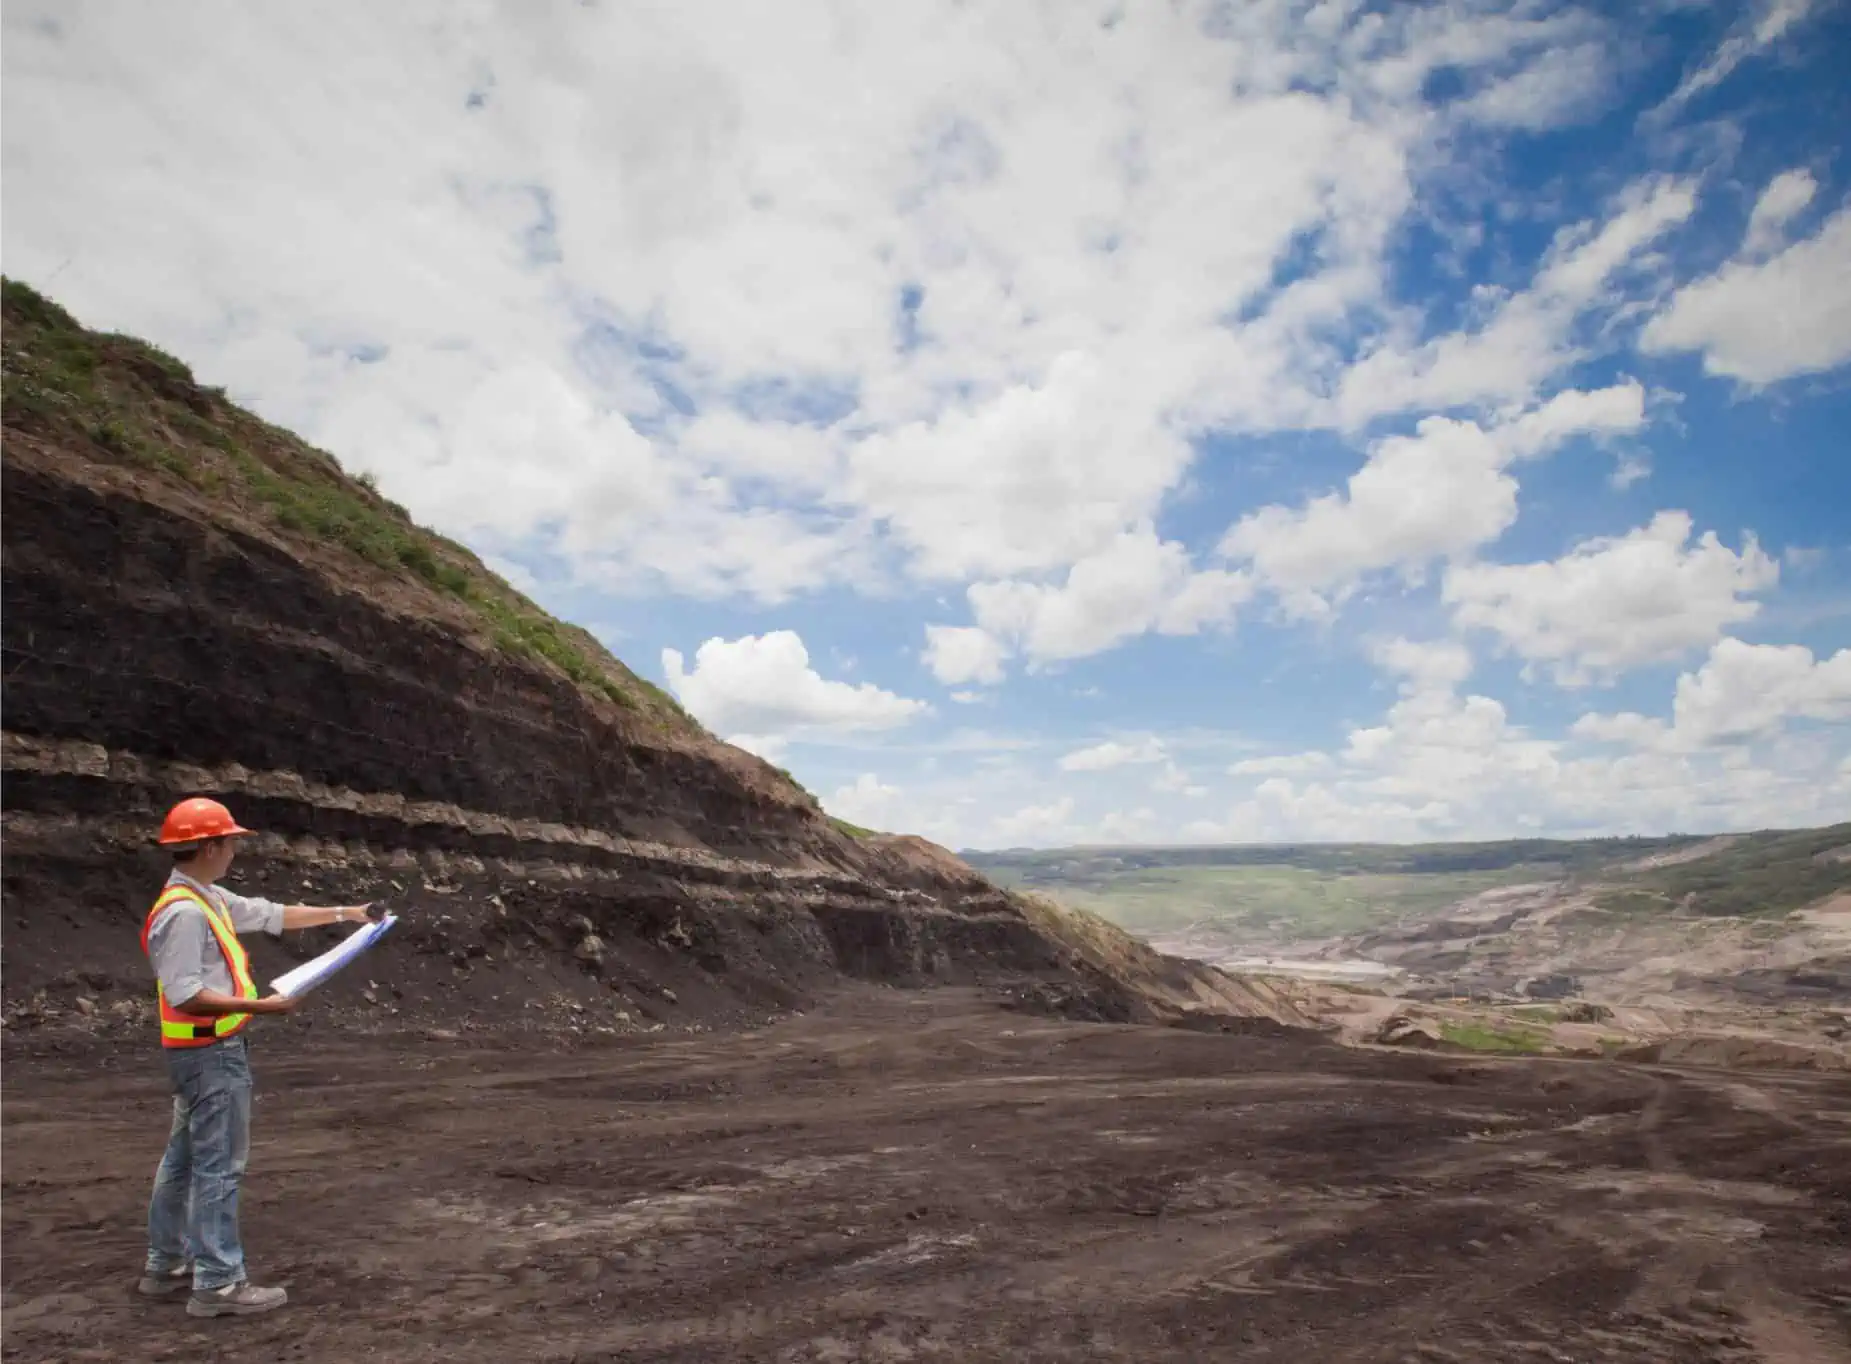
(297, 917)
(273, 1004)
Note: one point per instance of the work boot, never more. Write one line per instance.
(234, 1300)
(166, 1284)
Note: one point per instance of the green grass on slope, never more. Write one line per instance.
(1280, 901)
(133, 404)
(1483, 1037)
(1762, 873)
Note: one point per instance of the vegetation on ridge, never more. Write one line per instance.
(1759, 874)
(133, 404)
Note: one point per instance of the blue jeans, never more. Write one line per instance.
(194, 1212)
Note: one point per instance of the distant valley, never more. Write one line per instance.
(1661, 937)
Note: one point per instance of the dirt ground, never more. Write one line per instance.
(923, 1176)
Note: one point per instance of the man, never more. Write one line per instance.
(206, 996)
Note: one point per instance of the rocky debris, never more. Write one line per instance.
(1062, 999)
(590, 950)
(1824, 979)
(1738, 1051)
(1552, 987)
(1403, 1030)
(1584, 1011)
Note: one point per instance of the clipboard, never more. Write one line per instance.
(315, 971)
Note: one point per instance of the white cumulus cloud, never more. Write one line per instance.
(1524, 339)
(867, 801)
(1135, 583)
(964, 653)
(1103, 757)
(1037, 824)
(1616, 602)
(1443, 491)
(1761, 321)
(1425, 664)
(637, 288)
(1769, 21)
(1280, 765)
(1444, 765)
(762, 687)
(1786, 195)
(1743, 691)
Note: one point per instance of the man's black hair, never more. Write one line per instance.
(186, 854)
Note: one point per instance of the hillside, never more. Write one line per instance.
(199, 601)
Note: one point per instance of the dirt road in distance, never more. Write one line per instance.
(922, 1176)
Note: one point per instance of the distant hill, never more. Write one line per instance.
(1301, 890)
(1411, 858)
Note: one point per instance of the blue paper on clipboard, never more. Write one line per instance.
(318, 969)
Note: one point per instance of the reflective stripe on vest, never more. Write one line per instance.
(195, 1030)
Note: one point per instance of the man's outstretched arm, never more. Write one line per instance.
(314, 916)
(253, 914)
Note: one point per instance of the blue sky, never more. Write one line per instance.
(1036, 424)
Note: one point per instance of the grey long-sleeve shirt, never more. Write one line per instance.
(185, 955)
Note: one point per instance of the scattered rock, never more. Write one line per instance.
(1400, 1030)
(1554, 986)
(86, 1006)
(590, 949)
(1060, 999)
(670, 995)
(1584, 1011)
(442, 1035)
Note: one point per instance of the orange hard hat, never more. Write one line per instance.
(198, 818)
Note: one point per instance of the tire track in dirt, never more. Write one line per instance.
(1698, 1274)
(901, 1179)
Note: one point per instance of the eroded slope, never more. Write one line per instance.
(196, 601)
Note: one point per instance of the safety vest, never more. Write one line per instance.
(192, 1030)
